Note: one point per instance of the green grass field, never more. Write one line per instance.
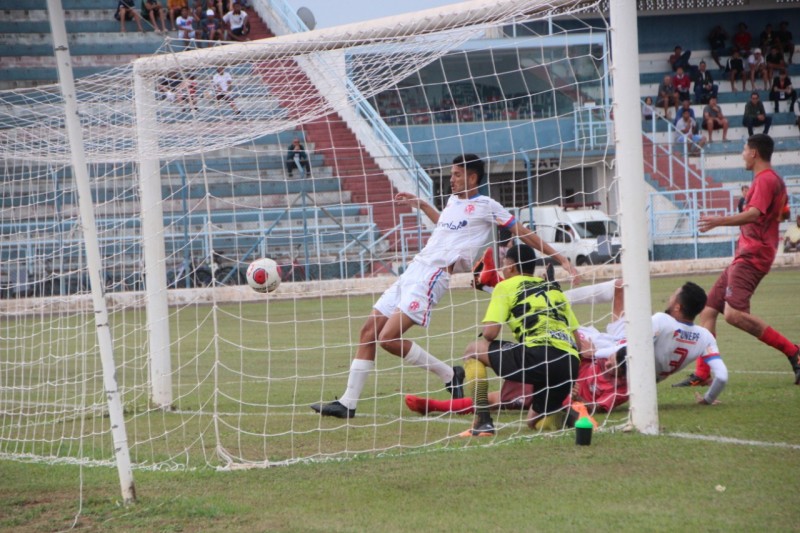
(743, 477)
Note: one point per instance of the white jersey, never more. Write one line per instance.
(464, 228)
(235, 21)
(676, 344)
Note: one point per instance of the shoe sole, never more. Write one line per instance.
(470, 433)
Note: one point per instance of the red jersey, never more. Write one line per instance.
(598, 387)
(758, 242)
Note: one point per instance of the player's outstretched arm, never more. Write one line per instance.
(406, 198)
(532, 239)
(740, 219)
(720, 372)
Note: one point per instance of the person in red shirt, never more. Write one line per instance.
(742, 40)
(765, 208)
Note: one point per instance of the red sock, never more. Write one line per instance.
(701, 369)
(770, 337)
(461, 406)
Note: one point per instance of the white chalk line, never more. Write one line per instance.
(729, 440)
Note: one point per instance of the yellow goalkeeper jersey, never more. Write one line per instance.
(537, 312)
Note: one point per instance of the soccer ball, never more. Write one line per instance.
(263, 275)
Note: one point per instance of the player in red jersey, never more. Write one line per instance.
(765, 208)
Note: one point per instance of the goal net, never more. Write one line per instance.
(194, 174)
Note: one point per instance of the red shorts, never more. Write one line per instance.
(515, 395)
(735, 286)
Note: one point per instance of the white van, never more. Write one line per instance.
(583, 234)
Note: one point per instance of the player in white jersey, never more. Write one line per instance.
(462, 230)
(677, 341)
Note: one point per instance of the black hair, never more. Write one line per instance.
(622, 361)
(763, 144)
(692, 299)
(504, 235)
(524, 258)
(472, 163)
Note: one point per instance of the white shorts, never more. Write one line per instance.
(415, 293)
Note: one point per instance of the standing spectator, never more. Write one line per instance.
(237, 23)
(126, 11)
(791, 239)
(734, 68)
(743, 199)
(782, 90)
(682, 83)
(716, 40)
(680, 59)
(154, 12)
(755, 115)
(185, 25)
(704, 86)
(648, 109)
(775, 62)
(685, 132)
(667, 95)
(223, 84)
(714, 119)
(212, 27)
(757, 67)
(755, 252)
(297, 157)
(784, 36)
(742, 40)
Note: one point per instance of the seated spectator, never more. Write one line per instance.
(154, 12)
(212, 27)
(742, 40)
(704, 86)
(667, 95)
(757, 67)
(126, 11)
(716, 40)
(685, 128)
(743, 198)
(767, 38)
(680, 59)
(734, 68)
(782, 91)
(775, 62)
(174, 8)
(785, 39)
(648, 110)
(297, 157)
(187, 93)
(682, 84)
(686, 105)
(185, 25)
(223, 86)
(714, 119)
(237, 24)
(755, 115)
(791, 240)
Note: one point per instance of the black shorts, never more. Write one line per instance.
(551, 371)
(224, 96)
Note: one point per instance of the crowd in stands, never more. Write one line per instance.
(209, 20)
(764, 64)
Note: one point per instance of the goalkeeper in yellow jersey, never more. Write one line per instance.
(544, 354)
